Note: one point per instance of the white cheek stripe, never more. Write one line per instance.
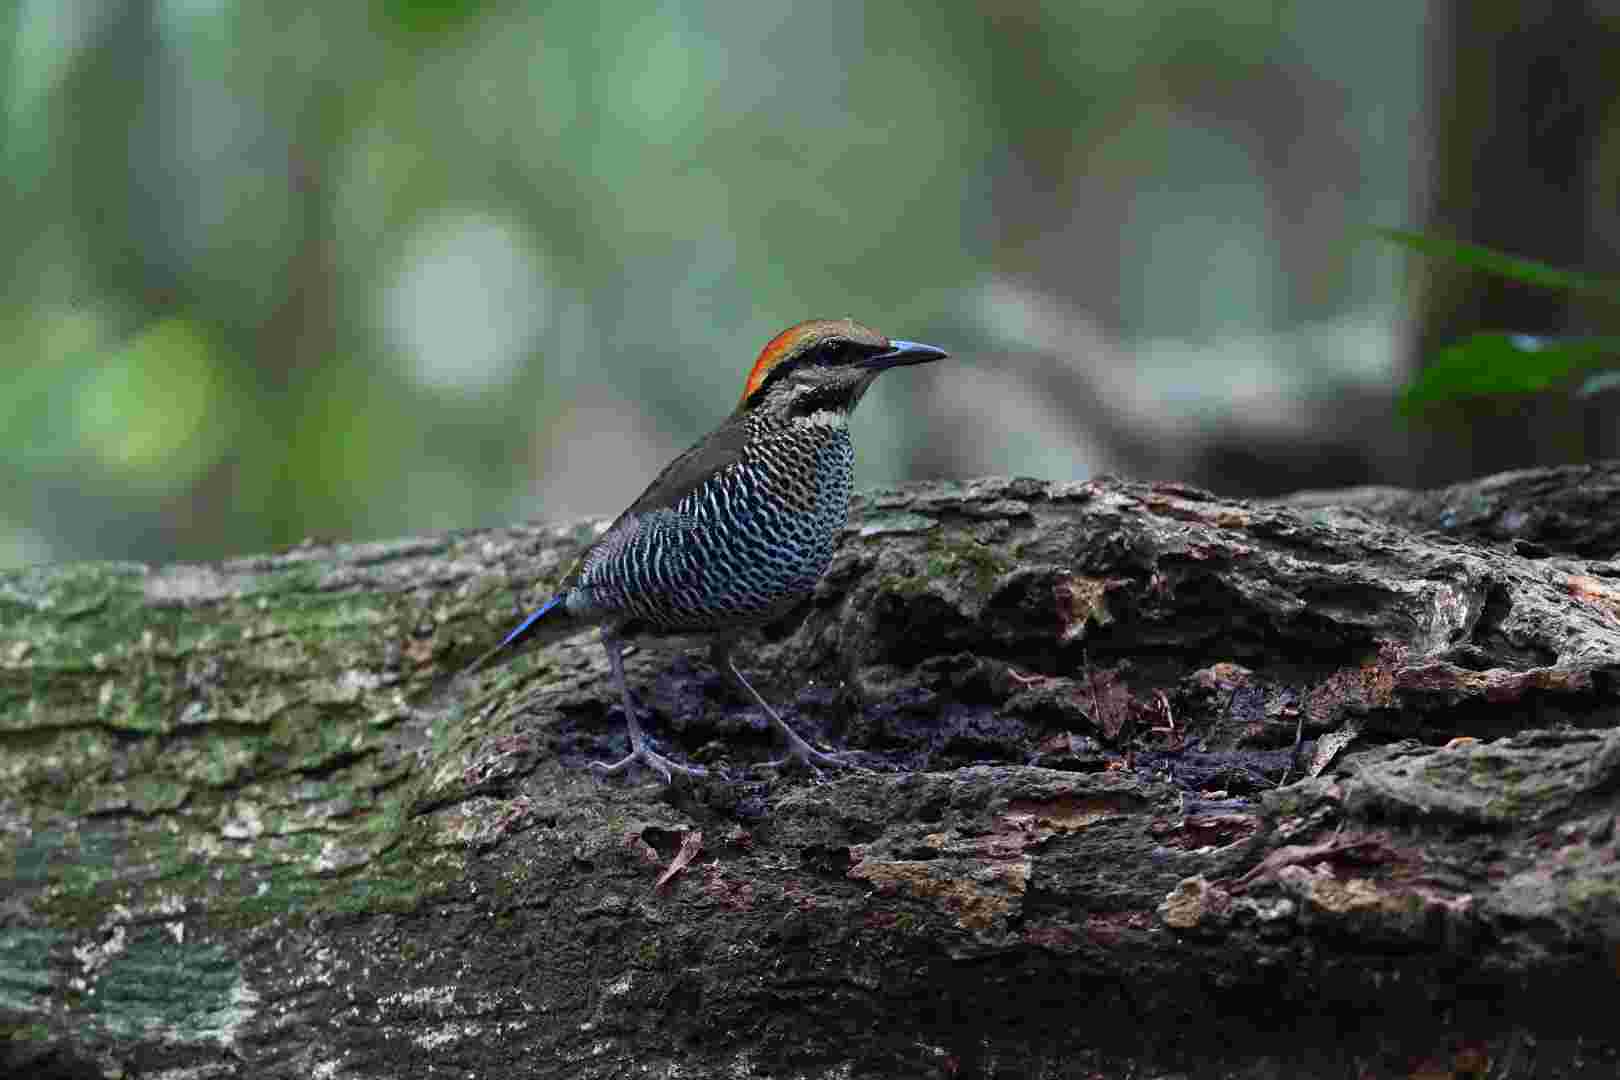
(830, 418)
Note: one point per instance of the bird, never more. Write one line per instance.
(732, 533)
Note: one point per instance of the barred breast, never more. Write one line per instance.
(744, 546)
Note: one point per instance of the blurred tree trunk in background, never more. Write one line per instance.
(1520, 100)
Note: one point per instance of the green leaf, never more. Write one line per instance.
(1484, 259)
(1503, 364)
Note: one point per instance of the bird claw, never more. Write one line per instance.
(658, 763)
(808, 757)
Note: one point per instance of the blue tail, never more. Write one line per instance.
(524, 631)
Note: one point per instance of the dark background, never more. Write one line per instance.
(353, 270)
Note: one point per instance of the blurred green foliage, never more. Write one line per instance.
(1528, 271)
(1500, 364)
(287, 269)
(1484, 365)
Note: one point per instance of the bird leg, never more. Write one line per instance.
(639, 750)
(798, 750)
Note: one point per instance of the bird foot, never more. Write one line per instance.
(808, 757)
(667, 769)
(640, 753)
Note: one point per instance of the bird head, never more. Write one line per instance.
(824, 365)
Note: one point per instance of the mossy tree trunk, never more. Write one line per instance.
(1155, 780)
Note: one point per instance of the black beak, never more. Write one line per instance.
(901, 353)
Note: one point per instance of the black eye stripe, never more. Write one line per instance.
(832, 352)
(839, 351)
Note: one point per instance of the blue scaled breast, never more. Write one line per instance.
(738, 545)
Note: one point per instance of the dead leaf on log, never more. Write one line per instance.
(691, 844)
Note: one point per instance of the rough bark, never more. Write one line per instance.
(1156, 783)
(1569, 510)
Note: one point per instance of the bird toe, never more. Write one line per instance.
(807, 757)
(669, 771)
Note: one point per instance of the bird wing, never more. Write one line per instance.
(713, 453)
